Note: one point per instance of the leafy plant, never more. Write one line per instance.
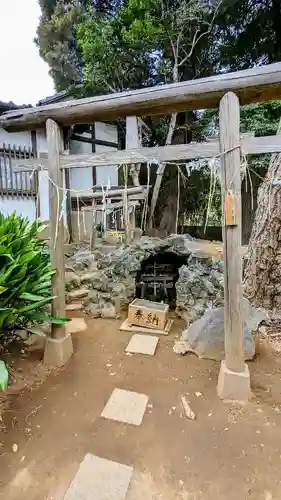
(25, 274)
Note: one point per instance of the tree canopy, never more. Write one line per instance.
(108, 45)
(96, 47)
(123, 44)
(112, 45)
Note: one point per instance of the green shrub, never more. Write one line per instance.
(25, 274)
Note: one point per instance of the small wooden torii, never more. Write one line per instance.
(253, 85)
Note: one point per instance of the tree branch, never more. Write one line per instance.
(175, 45)
(196, 40)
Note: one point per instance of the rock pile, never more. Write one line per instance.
(104, 283)
(200, 286)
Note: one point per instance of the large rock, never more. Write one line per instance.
(82, 260)
(80, 293)
(99, 281)
(94, 310)
(94, 296)
(89, 277)
(205, 336)
(108, 311)
(72, 280)
(122, 295)
(200, 285)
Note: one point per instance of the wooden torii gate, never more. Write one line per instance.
(253, 85)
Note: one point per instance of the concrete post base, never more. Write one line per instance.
(233, 386)
(58, 351)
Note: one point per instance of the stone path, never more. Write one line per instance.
(142, 344)
(126, 406)
(56, 424)
(102, 479)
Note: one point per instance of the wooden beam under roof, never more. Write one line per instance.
(261, 83)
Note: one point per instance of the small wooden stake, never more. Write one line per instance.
(132, 132)
(231, 207)
(126, 217)
(68, 205)
(94, 225)
(55, 147)
(133, 141)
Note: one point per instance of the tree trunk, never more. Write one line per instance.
(168, 218)
(276, 18)
(133, 140)
(263, 269)
(249, 193)
(247, 216)
(160, 171)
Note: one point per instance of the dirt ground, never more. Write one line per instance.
(228, 452)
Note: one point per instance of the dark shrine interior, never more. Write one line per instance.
(157, 277)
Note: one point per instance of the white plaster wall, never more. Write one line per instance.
(81, 178)
(108, 174)
(43, 182)
(22, 206)
(41, 141)
(22, 139)
(44, 195)
(17, 138)
(106, 132)
(25, 207)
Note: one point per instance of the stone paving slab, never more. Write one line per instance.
(74, 306)
(78, 294)
(142, 344)
(75, 325)
(126, 406)
(100, 479)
